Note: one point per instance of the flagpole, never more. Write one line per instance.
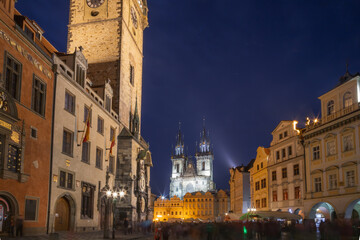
(87, 119)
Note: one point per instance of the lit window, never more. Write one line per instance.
(347, 100)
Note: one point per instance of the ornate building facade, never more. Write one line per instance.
(187, 177)
(26, 100)
(197, 205)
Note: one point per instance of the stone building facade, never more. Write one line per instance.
(286, 169)
(26, 101)
(239, 183)
(332, 153)
(187, 177)
(79, 168)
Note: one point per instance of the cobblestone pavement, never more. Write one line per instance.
(82, 236)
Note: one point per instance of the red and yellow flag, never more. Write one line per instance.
(112, 142)
(87, 131)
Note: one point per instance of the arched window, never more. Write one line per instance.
(347, 99)
(330, 107)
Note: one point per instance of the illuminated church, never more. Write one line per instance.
(188, 177)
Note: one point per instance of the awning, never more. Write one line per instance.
(270, 214)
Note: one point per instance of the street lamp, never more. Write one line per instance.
(111, 195)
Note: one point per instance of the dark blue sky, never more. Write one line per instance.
(244, 65)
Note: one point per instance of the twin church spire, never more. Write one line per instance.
(203, 148)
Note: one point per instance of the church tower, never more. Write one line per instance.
(178, 159)
(205, 157)
(110, 33)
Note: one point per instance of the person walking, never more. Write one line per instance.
(19, 226)
(126, 225)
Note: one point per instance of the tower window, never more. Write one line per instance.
(80, 75)
(203, 166)
(107, 103)
(132, 71)
(177, 168)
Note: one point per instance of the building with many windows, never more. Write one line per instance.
(240, 188)
(286, 169)
(79, 165)
(26, 101)
(332, 153)
(197, 205)
(259, 190)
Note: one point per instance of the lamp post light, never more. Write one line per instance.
(111, 195)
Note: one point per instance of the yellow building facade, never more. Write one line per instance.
(259, 180)
(198, 205)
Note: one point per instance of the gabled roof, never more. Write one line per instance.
(281, 125)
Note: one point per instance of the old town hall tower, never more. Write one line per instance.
(110, 35)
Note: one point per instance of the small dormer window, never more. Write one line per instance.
(107, 103)
(80, 75)
(285, 134)
(330, 107)
(347, 100)
(38, 35)
(280, 136)
(29, 32)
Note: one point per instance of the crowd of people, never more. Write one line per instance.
(260, 229)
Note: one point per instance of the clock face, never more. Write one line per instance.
(134, 17)
(94, 3)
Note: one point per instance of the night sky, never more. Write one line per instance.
(243, 65)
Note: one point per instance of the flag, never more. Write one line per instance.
(87, 131)
(112, 142)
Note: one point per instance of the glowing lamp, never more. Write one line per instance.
(108, 193)
(122, 194)
(115, 194)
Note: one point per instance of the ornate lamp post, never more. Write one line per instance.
(111, 196)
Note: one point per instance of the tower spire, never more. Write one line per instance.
(179, 148)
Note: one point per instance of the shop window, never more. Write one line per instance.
(297, 192)
(285, 194)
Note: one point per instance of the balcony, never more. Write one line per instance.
(333, 116)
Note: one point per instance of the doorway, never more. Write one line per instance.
(62, 215)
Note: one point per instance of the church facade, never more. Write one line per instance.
(188, 177)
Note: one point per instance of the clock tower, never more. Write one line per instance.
(110, 33)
